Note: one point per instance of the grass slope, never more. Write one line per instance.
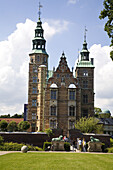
(56, 161)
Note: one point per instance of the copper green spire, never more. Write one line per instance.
(84, 53)
(39, 42)
(85, 34)
(40, 6)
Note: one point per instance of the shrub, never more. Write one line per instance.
(33, 148)
(3, 125)
(110, 150)
(45, 145)
(67, 146)
(11, 146)
(12, 126)
(1, 140)
(23, 126)
(111, 142)
(49, 132)
(17, 147)
(103, 147)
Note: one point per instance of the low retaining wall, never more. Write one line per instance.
(26, 138)
(37, 139)
(104, 138)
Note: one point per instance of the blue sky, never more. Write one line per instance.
(80, 14)
(64, 22)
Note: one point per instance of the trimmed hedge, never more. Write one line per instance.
(17, 147)
(67, 146)
(11, 146)
(46, 145)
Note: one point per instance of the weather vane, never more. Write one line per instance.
(85, 34)
(40, 6)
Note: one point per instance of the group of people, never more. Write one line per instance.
(81, 144)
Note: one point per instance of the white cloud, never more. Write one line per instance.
(103, 76)
(52, 27)
(14, 59)
(72, 1)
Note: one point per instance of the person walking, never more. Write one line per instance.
(84, 145)
(80, 144)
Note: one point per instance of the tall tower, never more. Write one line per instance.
(38, 67)
(85, 75)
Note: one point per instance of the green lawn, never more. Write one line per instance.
(56, 161)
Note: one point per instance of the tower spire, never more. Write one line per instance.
(85, 34)
(40, 6)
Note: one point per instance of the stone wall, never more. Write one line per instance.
(104, 138)
(26, 138)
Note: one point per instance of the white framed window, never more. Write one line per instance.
(34, 69)
(34, 79)
(34, 90)
(53, 94)
(34, 102)
(33, 116)
(71, 95)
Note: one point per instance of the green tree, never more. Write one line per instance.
(17, 116)
(88, 125)
(5, 116)
(12, 126)
(108, 12)
(3, 125)
(97, 110)
(49, 132)
(23, 125)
